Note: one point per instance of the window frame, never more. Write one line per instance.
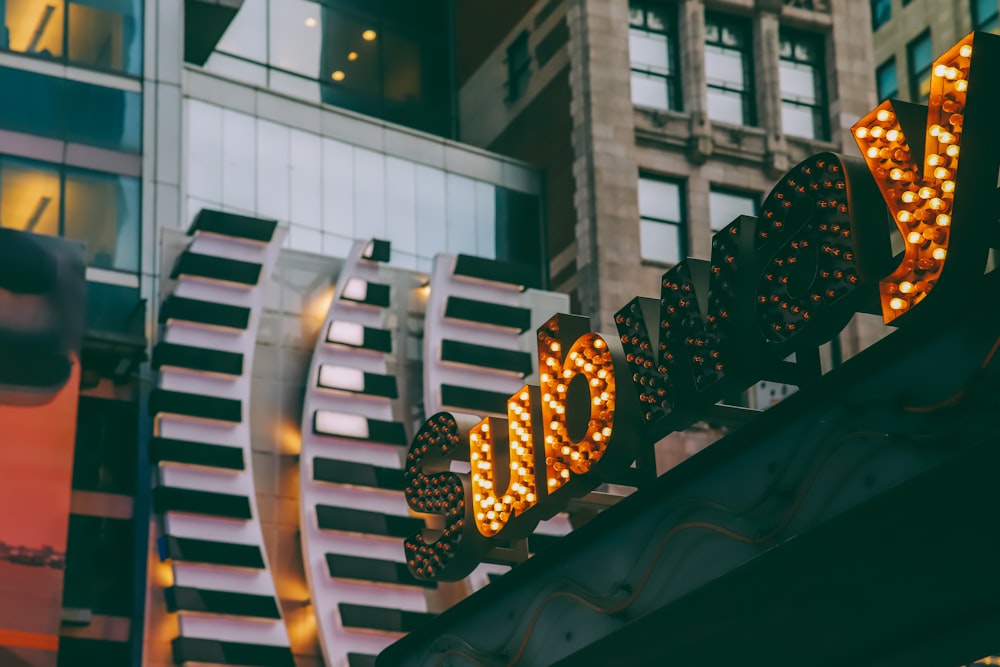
(913, 75)
(672, 77)
(821, 119)
(889, 62)
(742, 26)
(681, 226)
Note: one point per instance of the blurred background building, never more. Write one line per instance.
(595, 142)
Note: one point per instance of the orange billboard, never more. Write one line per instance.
(42, 287)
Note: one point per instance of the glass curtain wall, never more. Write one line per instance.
(384, 58)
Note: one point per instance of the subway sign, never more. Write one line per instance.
(778, 285)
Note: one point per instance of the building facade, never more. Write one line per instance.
(907, 36)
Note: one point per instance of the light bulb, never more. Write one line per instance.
(897, 304)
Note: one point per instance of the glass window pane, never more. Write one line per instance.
(296, 36)
(725, 106)
(37, 104)
(724, 67)
(102, 210)
(461, 194)
(659, 199)
(648, 51)
(723, 207)
(660, 241)
(650, 91)
(34, 27)
(246, 36)
(29, 196)
(881, 13)
(106, 34)
(886, 80)
(350, 63)
(799, 121)
(798, 82)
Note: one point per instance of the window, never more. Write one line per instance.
(727, 70)
(920, 59)
(100, 209)
(985, 16)
(69, 110)
(725, 205)
(93, 33)
(885, 80)
(652, 43)
(803, 89)
(662, 227)
(881, 13)
(518, 67)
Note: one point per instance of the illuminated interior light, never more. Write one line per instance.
(310, 22)
(897, 304)
(338, 75)
(348, 333)
(356, 289)
(341, 377)
(368, 35)
(352, 56)
(341, 423)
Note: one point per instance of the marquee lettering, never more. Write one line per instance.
(783, 283)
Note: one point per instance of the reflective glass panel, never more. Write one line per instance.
(649, 90)
(659, 199)
(725, 106)
(724, 206)
(660, 241)
(798, 82)
(246, 36)
(70, 110)
(102, 210)
(296, 29)
(33, 27)
(885, 78)
(29, 196)
(106, 34)
(648, 51)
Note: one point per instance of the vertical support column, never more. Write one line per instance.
(604, 165)
(767, 63)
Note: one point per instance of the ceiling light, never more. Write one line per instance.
(310, 22)
(368, 35)
(338, 76)
(353, 55)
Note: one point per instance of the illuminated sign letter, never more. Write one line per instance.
(581, 406)
(942, 206)
(432, 489)
(504, 486)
